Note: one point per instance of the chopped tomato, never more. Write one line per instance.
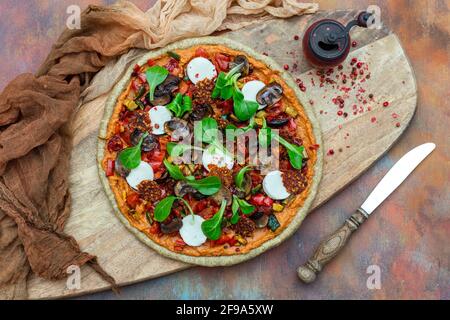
(115, 144)
(150, 62)
(201, 52)
(224, 239)
(154, 159)
(200, 205)
(184, 87)
(227, 106)
(133, 200)
(180, 242)
(171, 65)
(110, 165)
(137, 68)
(222, 61)
(285, 165)
(155, 228)
(261, 200)
(208, 212)
(268, 202)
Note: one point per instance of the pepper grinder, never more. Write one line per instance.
(327, 42)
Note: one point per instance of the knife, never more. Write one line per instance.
(331, 246)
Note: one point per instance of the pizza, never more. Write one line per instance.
(182, 145)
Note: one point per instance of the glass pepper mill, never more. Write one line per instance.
(327, 42)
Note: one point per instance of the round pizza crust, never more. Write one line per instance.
(211, 261)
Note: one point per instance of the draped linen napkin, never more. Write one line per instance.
(35, 113)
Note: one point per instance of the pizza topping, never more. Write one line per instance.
(115, 144)
(214, 156)
(178, 129)
(164, 91)
(250, 91)
(149, 143)
(270, 94)
(273, 223)
(244, 227)
(260, 220)
(191, 230)
(172, 226)
(244, 67)
(199, 69)
(159, 115)
(274, 187)
(150, 190)
(182, 188)
(295, 181)
(224, 194)
(120, 169)
(155, 76)
(169, 194)
(223, 173)
(141, 173)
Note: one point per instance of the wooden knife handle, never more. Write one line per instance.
(330, 247)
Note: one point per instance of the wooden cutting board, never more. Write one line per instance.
(356, 142)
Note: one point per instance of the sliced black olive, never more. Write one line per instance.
(120, 169)
(172, 226)
(241, 61)
(200, 111)
(178, 129)
(277, 122)
(270, 94)
(149, 143)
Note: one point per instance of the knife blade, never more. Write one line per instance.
(331, 246)
(396, 175)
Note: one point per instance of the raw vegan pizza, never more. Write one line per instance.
(215, 210)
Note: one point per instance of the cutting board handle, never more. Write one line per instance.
(330, 247)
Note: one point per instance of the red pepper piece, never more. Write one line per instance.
(201, 52)
(133, 200)
(110, 167)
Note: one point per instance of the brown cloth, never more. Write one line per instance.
(35, 112)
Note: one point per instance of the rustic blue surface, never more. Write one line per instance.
(409, 235)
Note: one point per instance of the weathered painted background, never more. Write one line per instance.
(408, 237)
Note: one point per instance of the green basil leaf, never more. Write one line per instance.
(175, 104)
(187, 105)
(212, 228)
(239, 179)
(240, 204)
(163, 208)
(243, 109)
(295, 159)
(295, 152)
(209, 131)
(265, 135)
(220, 83)
(130, 158)
(235, 210)
(246, 207)
(174, 170)
(227, 92)
(207, 186)
(155, 76)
